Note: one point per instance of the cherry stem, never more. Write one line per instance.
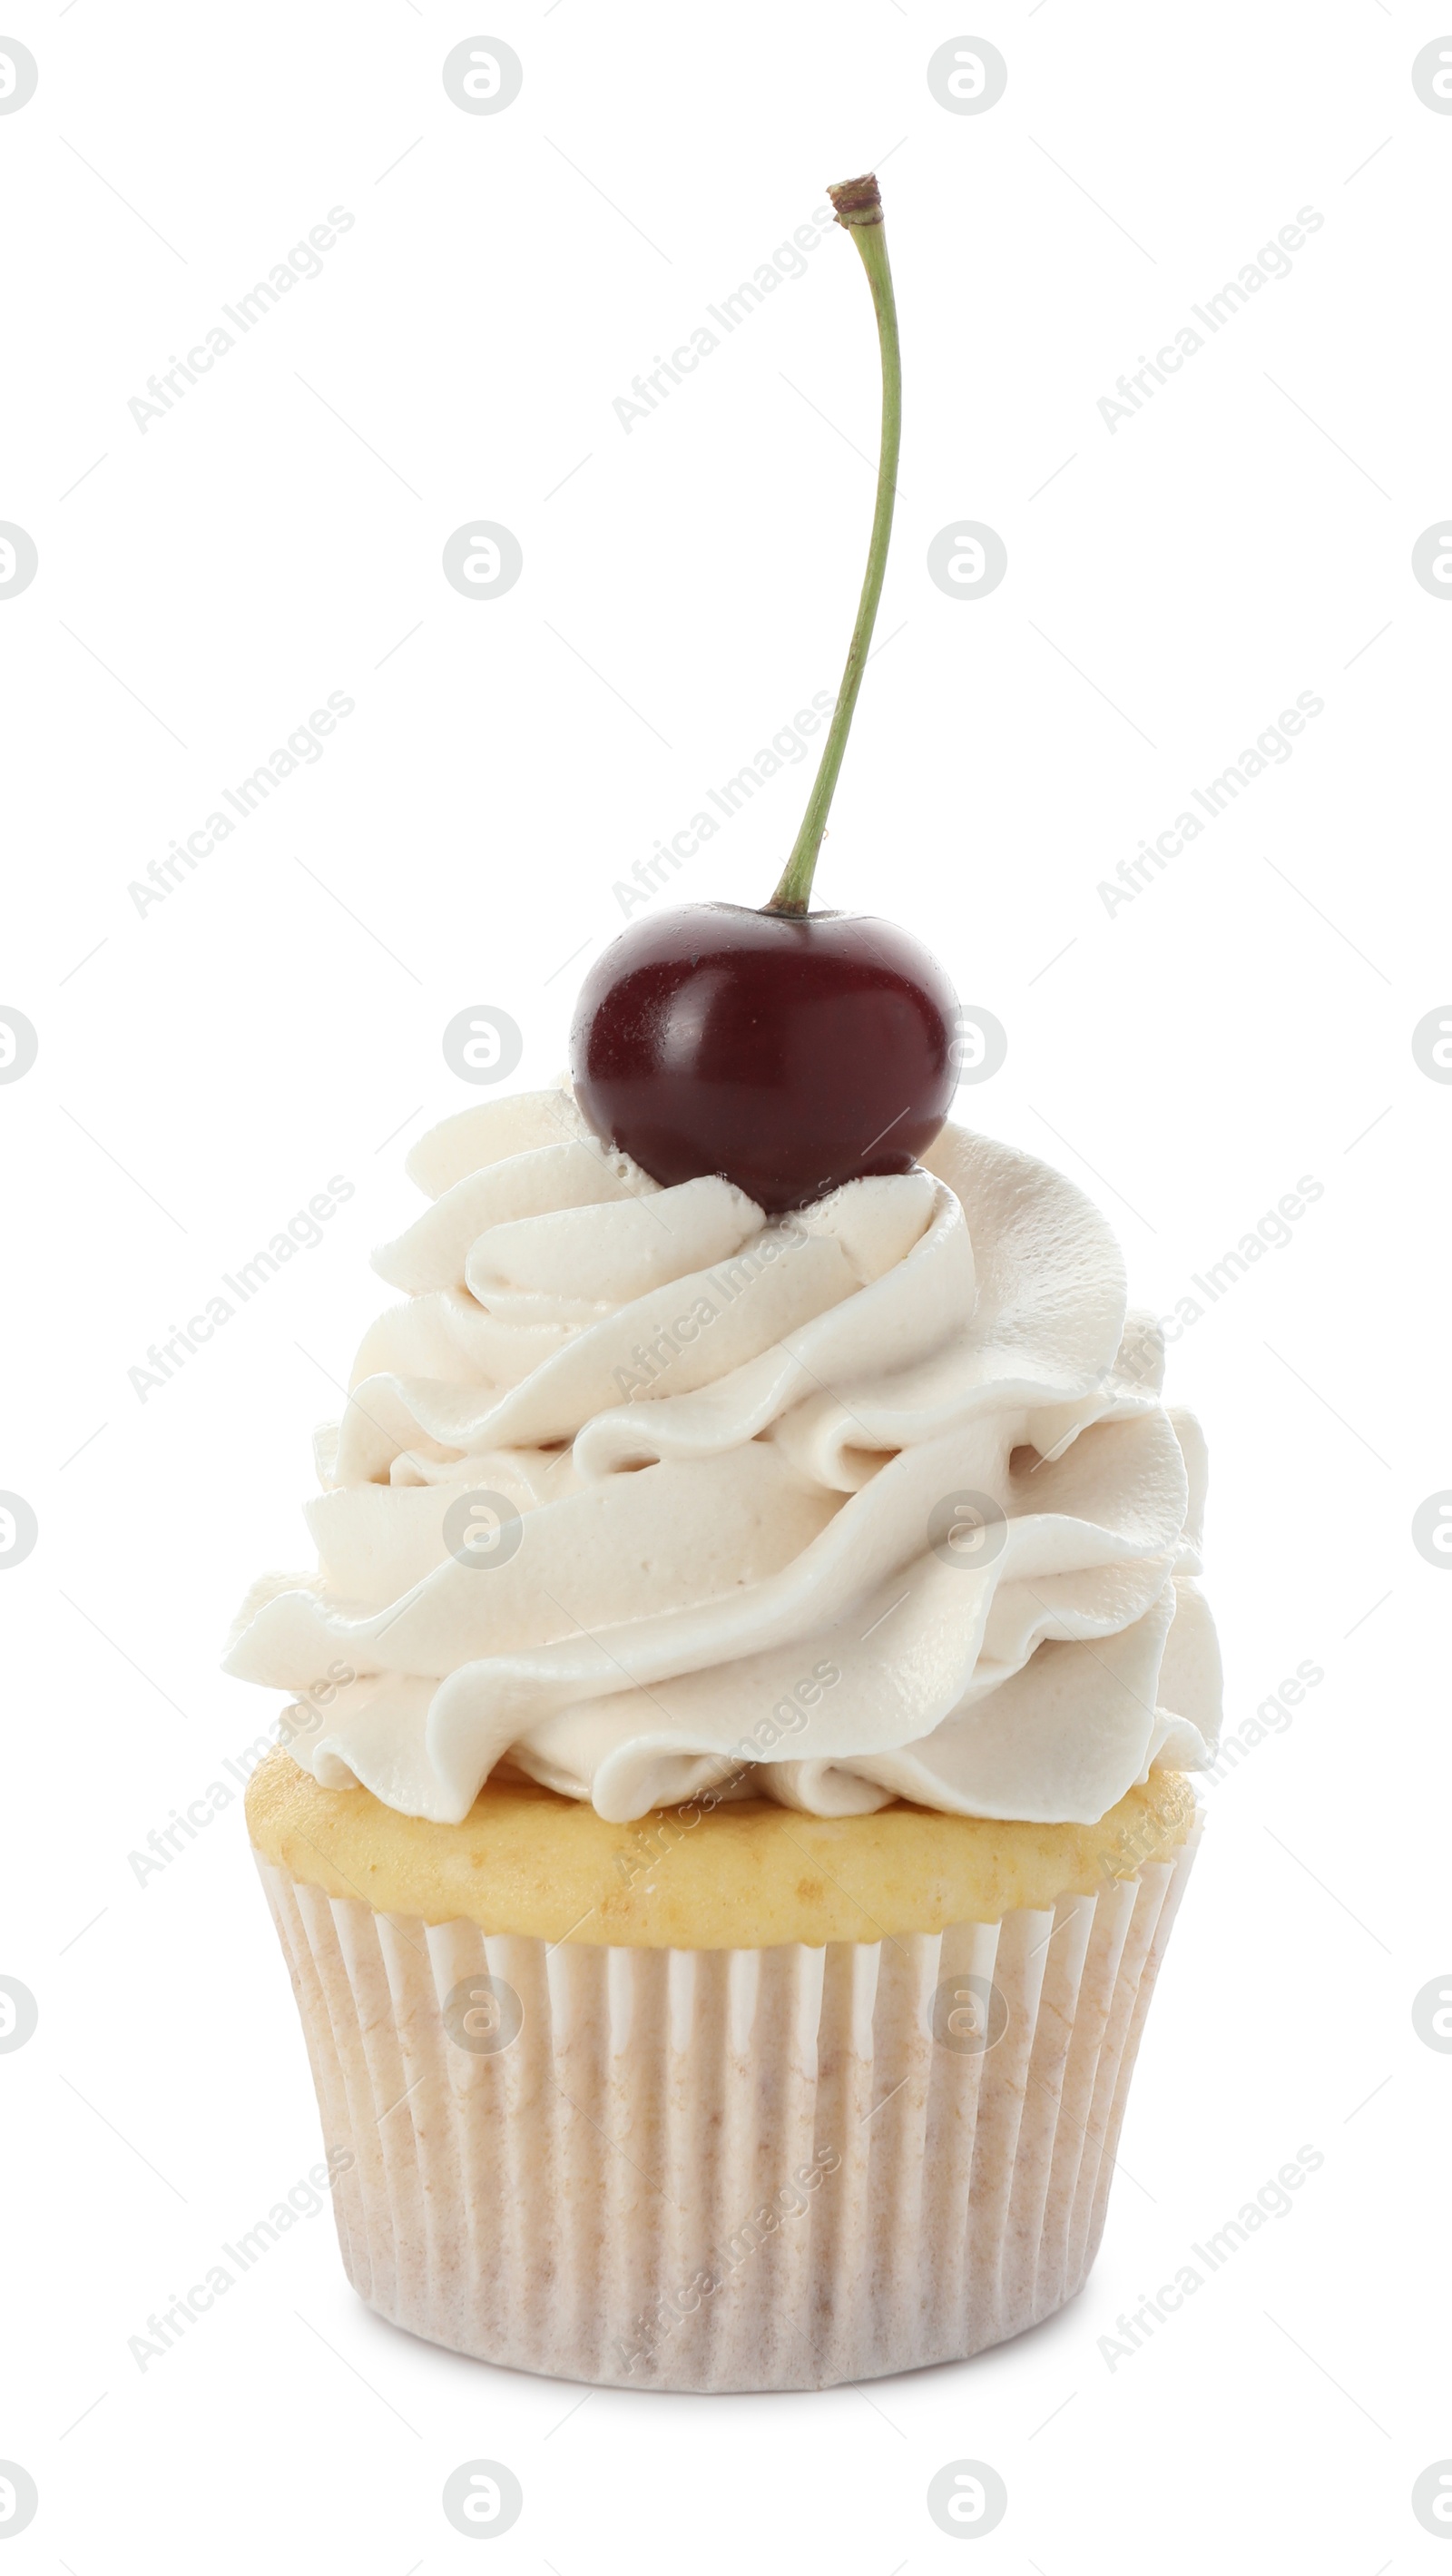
(859, 209)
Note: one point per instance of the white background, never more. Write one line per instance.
(205, 1068)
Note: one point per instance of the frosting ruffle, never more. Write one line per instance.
(876, 1501)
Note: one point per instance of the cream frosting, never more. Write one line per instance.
(878, 1501)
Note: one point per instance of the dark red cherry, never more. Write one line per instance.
(790, 1054)
(791, 1050)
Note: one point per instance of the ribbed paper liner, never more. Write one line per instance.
(556, 2206)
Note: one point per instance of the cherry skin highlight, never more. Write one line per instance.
(788, 1053)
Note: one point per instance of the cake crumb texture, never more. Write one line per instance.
(747, 1874)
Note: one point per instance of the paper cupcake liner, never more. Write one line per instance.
(724, 2169)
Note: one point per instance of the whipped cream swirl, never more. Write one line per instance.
(642, 1495)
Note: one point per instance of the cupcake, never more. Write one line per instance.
(725, 1867)
(737, 1783)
